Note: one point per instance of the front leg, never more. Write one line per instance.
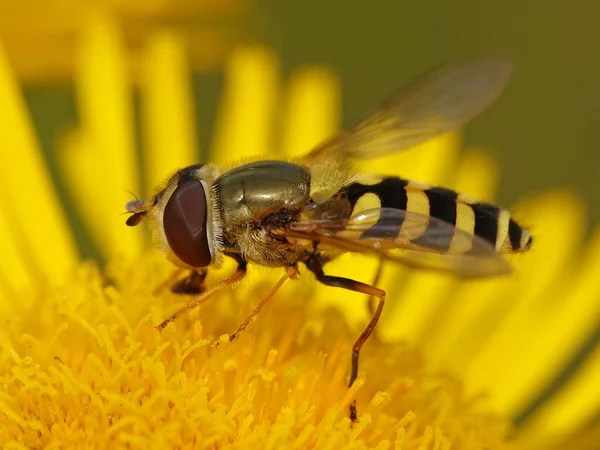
(192, 284)
(236, 276)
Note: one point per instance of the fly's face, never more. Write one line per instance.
(184, 217)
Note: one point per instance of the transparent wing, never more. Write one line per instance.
(412, 239)
(441, 101)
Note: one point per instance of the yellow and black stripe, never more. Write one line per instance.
(485, 220)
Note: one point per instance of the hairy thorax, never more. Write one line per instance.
(259, 197)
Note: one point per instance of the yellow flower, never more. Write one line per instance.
(83, 366)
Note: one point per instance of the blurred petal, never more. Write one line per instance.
(106, 110)
(574, 405)
(30, 199)
(312, 110)
(557, 219)
(245, 124)
(167, 109)
(559, 328)
(477, 175)
(14, 273)
(433, 161)
(81, 165)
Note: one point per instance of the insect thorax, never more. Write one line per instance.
(256, 197)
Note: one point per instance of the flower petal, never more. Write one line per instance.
(568, 409)
(565, 325)
(30, 199)
(477, 175)
(167, 109)
(245, 124)
(14, 272)
(558, 219)
(106, 138)
(312, 110)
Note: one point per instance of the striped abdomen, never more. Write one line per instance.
(485, 220)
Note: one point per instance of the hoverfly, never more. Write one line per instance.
(282, 213)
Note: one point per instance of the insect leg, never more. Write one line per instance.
(291, 272)
(239, 273)
(192, 284)
(375, 282)
(315, 266)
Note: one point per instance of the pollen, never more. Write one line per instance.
(84, 366)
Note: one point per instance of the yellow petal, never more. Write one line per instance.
(557, 220)
(570, 408)
(30, 198)
(245, 123)
(477, 175)
(81, 163)
(106, 110)
(433, 162)
(14, 272)
(312, 110)
(169, 135)
(561, 327)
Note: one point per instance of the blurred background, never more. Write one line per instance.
(543, 131)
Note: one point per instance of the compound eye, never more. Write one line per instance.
(184, 222)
